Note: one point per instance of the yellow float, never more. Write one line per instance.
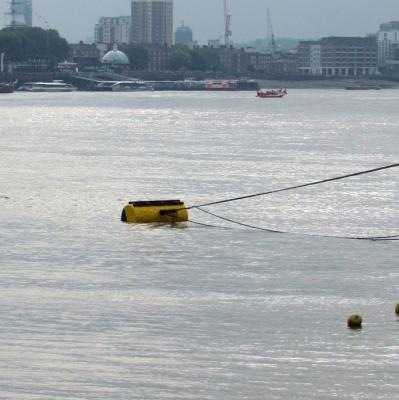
(166, 211)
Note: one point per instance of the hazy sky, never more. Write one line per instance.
(75, 19)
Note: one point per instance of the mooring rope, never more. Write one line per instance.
(337, 178)
(239, 223)
(208, 225)
(370, 238)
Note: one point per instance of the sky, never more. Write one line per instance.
(302, 19)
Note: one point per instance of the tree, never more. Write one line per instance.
(210, 57)
(138, 56)
(12, 45)
(198, 61)
(58, 47)
(33, 43)
(180, 58)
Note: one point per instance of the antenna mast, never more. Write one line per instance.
(227, 30)
(270, 34)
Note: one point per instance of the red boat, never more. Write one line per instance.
(271, 93)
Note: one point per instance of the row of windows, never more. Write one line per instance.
(348, 65)
(336, 51)
(349, 53)
(349, 58)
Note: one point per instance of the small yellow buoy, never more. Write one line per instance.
(397, 309)
(355, 321)
(166, 211)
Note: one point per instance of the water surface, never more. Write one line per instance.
(95, 309)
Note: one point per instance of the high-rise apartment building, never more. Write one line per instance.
(27, 12)
(388, 45)
(113, 30)
(20, 13)
(152, 22)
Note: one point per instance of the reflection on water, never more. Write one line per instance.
(95, 309)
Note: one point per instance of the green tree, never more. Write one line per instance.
(33, 43)
(138, 56)
(180, 58)
(12, 45)
(210, 57)
(198, 61)
(58, 47)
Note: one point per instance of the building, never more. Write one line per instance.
(223, 59)
(113, 30)
(26, 11)
(84, 55)
(184, 35)
(215, 43)
(158, 57)
(388, 46)
(20, 14)
(259, 61)
(115, 60)
(152, 22)
(232, 60)
(286, 64)
(338, 56)
(309, 57)
(115, 57)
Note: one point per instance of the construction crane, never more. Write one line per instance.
(270, 34)
(227, 21)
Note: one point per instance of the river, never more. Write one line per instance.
(92, 308)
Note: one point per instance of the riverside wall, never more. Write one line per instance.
(291, 82)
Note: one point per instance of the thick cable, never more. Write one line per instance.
(370, 238)
(239, 223)
(337, 178)
(209, 225)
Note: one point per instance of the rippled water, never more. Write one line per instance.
(95, 309)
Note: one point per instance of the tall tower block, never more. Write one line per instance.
(152, 22)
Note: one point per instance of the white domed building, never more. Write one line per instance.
(115, 58)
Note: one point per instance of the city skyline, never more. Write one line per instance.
(291, 18)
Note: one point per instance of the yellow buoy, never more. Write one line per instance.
(155, 211)
(355, 321)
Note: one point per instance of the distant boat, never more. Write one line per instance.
(217, 85)
(131, 86)
(7, 87)
(54, 86)
(231, 85)
(263, 93)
